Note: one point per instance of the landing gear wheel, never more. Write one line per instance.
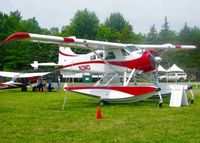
(101, 103)
(191, 101)
(159, 104)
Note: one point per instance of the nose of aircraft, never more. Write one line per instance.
(158, 59)
(154, 58)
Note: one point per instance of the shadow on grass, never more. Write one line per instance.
(93, 103)
(15, 90)
(7, 110)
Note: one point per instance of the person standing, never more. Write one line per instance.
(58, 83)
(50, 85)
(41, 84)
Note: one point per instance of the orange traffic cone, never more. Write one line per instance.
(99, 115)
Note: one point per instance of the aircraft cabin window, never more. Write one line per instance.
(101, 54)
(110, 55)
(172, 74)
(93, 57)
(131, 48)
(124, 53)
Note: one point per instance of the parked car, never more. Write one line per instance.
(174, 77)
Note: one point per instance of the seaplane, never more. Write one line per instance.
(20, 80)
(112, 60)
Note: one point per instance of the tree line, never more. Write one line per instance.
(85, 24)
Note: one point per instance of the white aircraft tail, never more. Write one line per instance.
(65, 55)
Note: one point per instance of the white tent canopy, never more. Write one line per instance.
(161, 69)
(174, 68)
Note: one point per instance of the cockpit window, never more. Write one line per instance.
(93, 57)
(110, 55)
(101, 54)
(131, 48)
(124, 52)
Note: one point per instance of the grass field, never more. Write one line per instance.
(37, 117)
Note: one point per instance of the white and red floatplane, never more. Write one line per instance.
(107, 58)
(20, 80)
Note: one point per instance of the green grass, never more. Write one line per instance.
(37, 117)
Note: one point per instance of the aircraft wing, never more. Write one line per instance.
(21, 75)
(24, 75)
(64, 41)
(9, 74)
(73, 41)
(166, 46)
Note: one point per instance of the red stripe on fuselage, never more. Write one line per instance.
(80, 63)
(143, 63)
(133, 90)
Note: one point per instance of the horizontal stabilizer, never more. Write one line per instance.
(35, 65)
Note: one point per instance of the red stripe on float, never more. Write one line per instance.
(2, 85)
(133, 90)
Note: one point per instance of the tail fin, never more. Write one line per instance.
(65, 54)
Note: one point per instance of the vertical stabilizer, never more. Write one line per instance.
(66, 55)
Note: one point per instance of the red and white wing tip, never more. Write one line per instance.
(17, 36)
(185, 46)
(25, 35)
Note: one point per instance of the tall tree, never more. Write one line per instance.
(166, 35)
(83, 25)
(185, 34)
(117, 22)
(105, 33)
(30, 25)
(117, 29)
(152, 36)
(9, 24)
(54, 31)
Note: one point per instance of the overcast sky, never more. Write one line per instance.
(141, 14)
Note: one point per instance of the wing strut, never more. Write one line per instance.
(126, 82)
(99, 81)
(111, 79)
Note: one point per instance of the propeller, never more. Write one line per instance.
(155, 60)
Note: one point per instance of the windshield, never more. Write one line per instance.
(131, 48)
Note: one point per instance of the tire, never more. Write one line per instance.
(181, 79)
(24, 89)
(164, 79)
